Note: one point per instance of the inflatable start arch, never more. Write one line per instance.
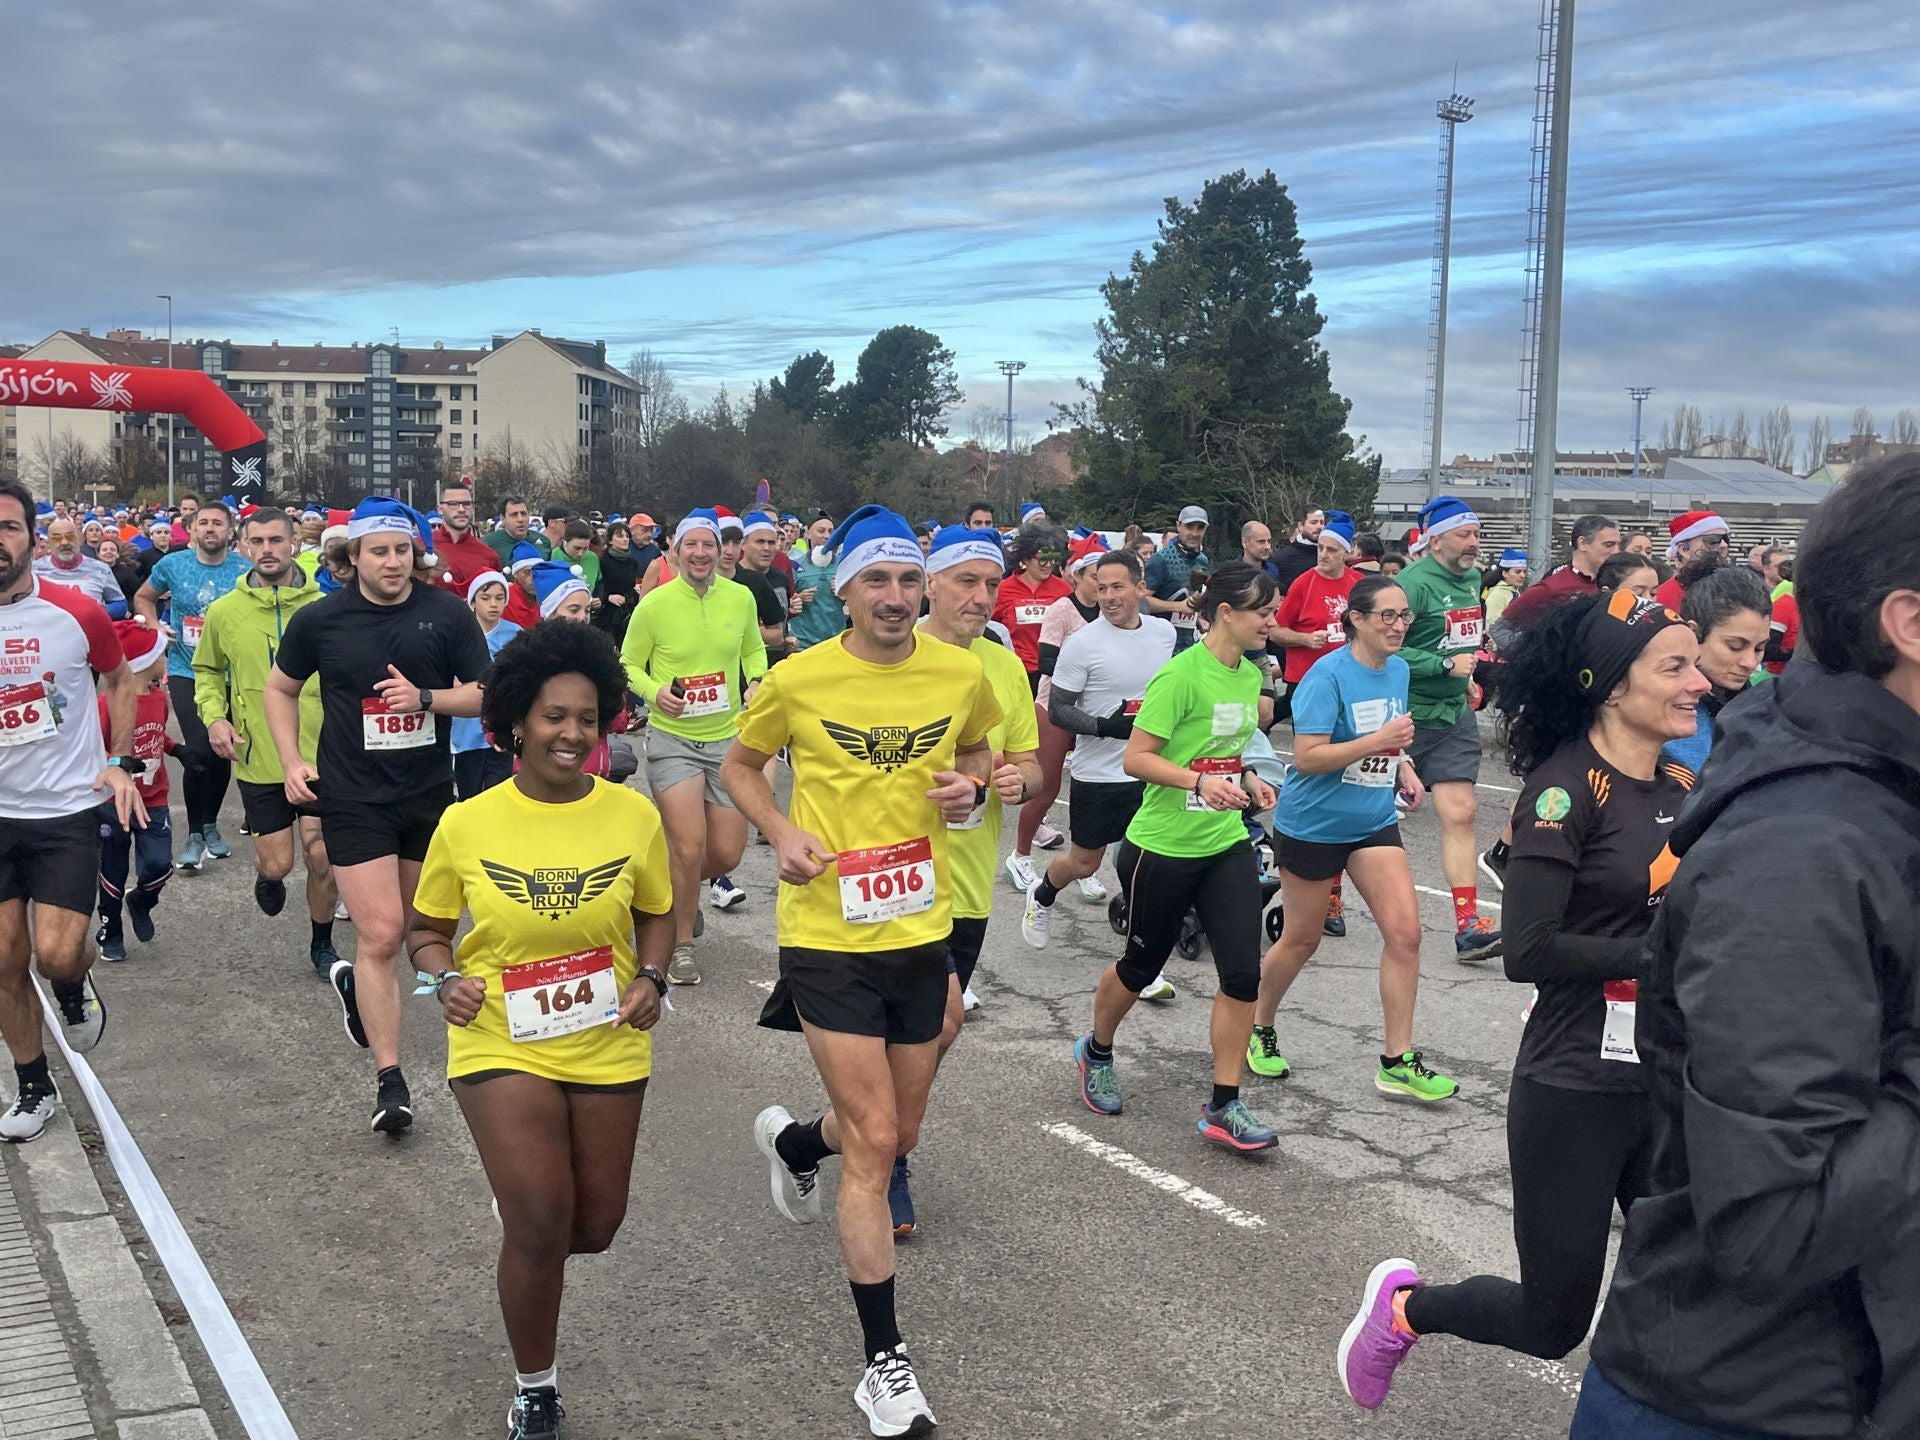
(190, 394)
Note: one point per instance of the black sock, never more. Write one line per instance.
(1387, 1062)
(802, 1147)
(1225, 1095)
(389, 1073)
(67, 990)
(34, 1072)
(322, 933)
(1099, 1054)
(874, 1304)
(1047, 892)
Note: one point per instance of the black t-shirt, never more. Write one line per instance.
(430, 637)
(766, 590)
(1611, 831)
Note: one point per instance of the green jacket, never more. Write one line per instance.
(1447, 620)
(241, 635)
(502, 544)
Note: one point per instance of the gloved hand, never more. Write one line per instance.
(1117, 726)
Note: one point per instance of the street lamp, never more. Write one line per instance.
(169, 300)
(1010, 368)
(1639, 394)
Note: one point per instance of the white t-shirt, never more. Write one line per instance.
(51, 749)
(1109, 667)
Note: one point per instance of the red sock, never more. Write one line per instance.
(1466, 906)
(1336, 885)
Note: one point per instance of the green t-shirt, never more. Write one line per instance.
(1204, 711)
(1447, 620)
(708, 642)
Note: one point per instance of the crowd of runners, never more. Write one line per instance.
(1711, 874)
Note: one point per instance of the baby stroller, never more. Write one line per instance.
(1192, 940)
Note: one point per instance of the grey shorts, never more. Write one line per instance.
(1453, 753)
(671, 759)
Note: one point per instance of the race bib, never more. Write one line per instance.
(1463, 629)
(26, 714)
(705, 695)
(1029, 614)
(1129, 707)
(1336, 634)
(190, 628)
(886, 881)
(1376, 772)
(1616, 1029)
(1183, 618)
(548, 998)
(381, 729)
(1228, 765)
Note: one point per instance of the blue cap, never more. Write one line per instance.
(525, 556)
(1340, 526)
(1027, 507)
(1511, 557)
(1444, 513)
(553, 582)
(378, 513)
(956, 545)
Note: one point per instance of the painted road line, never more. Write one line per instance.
(1448, 895)
(1159, 1179)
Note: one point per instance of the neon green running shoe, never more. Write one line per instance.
(1263, 1054)
(1410, 1077)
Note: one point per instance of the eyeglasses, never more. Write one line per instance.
(456, 504)
(1389, 617)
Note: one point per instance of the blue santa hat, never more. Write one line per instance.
(525, 556)
(956, 545)
(553, 582)
(871, 535)
(1030, 508)
(378, 514)
(1340, 527)
(758, 522)
(702, 519)
(315, 508)
(1511, 558)
(1444, 513)
(789, 519)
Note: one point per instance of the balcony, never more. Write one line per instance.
(416, 427)
(352, 397)
(417, 402)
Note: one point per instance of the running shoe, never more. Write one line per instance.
(113, 945)
(968, 1000)
(1160, 989)
(340, 973)
(1235, 1127)
(1098, 1088)
(682, 969)
(1493, 865)
(1479, 941)
(723, 894)
(269, 895)
(796, 1196)
(1034, 919)
(324, 958)
(32, 1108)
(195, 855)
(140, 915)
(340, 910)
(392, 1106)
(1263, 1054)
(536, 1414)
(889, 1396)
(217, 847)
(699, 921)
(900, 1198)
(83, 1014)
(1336, 922)
(1374, 1346)
(1048, 838)
(1020, 871)
(1410, 1077)
(1091, 890)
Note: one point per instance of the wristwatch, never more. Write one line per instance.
(132, 764)
(426, 701)
(979, 794)
(659, 980)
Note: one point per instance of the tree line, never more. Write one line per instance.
(1774, 436)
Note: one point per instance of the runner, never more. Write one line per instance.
(188, 581)
(689, 645)
(619, 574)
(1631, 572)
(523, 604)
(148, 847)
(1729, 611)
(1301, 553)
(1351, 730)
(1098, 685)
(516, 529)
(888, 732)
(477, 765)
(1442, 592)
(465, 553)
(392, 655)
(66, 563)
(1037, 554)
(1595, 687)
(1187, 846)
(548, 1058)
(817, 612)
(1171, 575)
(243, 630)
(53, 770)
(771, 588)
(1593, 541)
(1699, 545)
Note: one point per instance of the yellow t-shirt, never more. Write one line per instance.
(975, 852)
(865, 741)
(551, 889)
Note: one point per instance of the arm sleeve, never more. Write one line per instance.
(1538, 948)
(295, 658)
(1064, 710)
(1049, 657)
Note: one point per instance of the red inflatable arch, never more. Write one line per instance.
(194, 396)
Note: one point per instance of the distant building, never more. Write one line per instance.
(1857, 448)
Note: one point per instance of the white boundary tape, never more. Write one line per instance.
(1160, 1179)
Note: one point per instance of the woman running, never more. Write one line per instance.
(1732, 614)
(1036, 554)
(1596, 685)
(550, 996)
(1187, 848)
(619, 577)
(1351, 730)
(1628, 571)
(477, 765)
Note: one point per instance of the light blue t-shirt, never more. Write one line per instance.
(189, 587)
(467, 733)
(1344, 700)
(824, 616)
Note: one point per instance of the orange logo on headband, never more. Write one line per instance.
(1620, 604)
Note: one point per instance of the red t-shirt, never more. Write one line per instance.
(1786, 620)
(151, 742)
(520, 610)
(466, 557)
(1670, 593)
(1315, 603)
(1556, 584)
(1021, 607)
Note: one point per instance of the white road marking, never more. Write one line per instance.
(766, 985)
(1448, 895)
(1159, 1179)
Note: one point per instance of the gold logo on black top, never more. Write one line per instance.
(555, 889)
(887, 747)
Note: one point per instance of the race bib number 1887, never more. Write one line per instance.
(381, 729)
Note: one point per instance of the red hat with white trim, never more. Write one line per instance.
(1691, 526)
(143, 642)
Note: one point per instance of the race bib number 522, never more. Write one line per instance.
(886, 882)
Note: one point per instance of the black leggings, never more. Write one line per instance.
(203, 786)
(1223, 890)
(1575, 1154)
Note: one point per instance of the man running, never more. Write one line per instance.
(1443, 591)
(53, 772)
(888, 732)
(1170, 572)
(465, 553)
(65, 563)
(1595, 539)
(243, 629)
(770, 586)
(817, 612)
(395, 659)
(516, 528)
(188, 581)
(692, 643)
(1699, 545)
(1302, 553)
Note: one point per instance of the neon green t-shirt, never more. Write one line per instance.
(710, 643)
(973, 851)
(1205, 712)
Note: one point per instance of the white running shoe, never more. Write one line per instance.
(83, 1015)
(795, 1196)
(1048, 838)
(1091, 890)
(1020, 871)
(32, 1108)
(723, 894)
(340, 910)
(1160, 989)
(889, 1396)
(1034, 919)
(968, 1000)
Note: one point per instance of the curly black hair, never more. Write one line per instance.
(1539, 685)
(1030, 540)
(535, 656)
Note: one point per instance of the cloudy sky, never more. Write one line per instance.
(732, 182)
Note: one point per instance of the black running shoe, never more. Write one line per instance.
(113, 945)
(392, 1106)
(341, 974)
(536, 1415)
(141, 918)
(269, 895)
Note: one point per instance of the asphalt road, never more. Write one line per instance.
(1057, 1287)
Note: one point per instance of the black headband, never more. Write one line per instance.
(1612, 636)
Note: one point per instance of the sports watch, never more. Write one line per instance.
(132, 764)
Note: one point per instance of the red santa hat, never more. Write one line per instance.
(1691, 526)
(141, 641)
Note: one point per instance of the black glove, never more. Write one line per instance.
(1117, 726)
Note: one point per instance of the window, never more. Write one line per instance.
(313, 390)
(456, 392)
(286, 412)
(357, 460)
(453, 417)
(453, 442)
(383, 361)
(286, 387)
(425, 392)
(312, 413)
(583, 439)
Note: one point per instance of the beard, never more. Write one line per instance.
(1700, 566)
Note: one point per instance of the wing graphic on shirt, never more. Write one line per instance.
(554, 890)
(887, 747)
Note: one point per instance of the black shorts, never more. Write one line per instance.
(52, 862)
(963, 947)
(267, 808)
(1099, 811)
(899, 996)
(1317, 860)
(357, 832)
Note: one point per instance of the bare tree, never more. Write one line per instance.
(299, 448)
(1863, 421)
(1776, 437)
(660, 403)
(1906, 428)
(1738, 431)
(1819, 437)
(68, 466)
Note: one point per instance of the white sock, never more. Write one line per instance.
(544, 1380)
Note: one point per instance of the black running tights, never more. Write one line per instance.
(203, 785)
(1574, 1154)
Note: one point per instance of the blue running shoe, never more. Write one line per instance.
(1479, 941)
(1235, 1127)
(1097, 1086)
(900, 1199)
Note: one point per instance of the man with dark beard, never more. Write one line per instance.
(1700, 545)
